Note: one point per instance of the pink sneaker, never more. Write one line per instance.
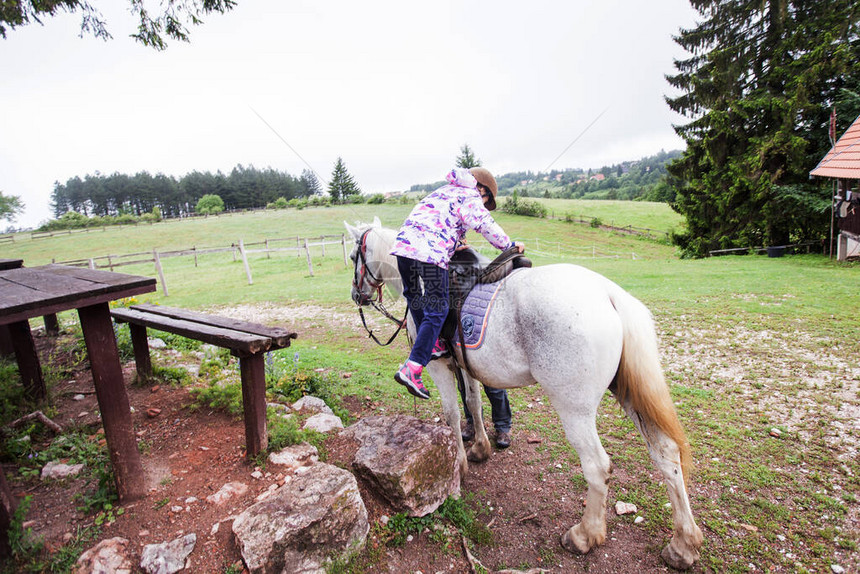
(440, 350)
(411, 379)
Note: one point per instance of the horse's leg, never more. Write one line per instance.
(683, 550)
(443, 376)
(578, 419)
(481, 449)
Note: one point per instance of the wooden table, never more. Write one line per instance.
(29, 292)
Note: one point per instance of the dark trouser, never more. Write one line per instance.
(428, 307)
(501, 408)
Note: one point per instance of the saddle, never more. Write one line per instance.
(466, 269)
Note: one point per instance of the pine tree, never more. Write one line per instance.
(310, 185)
(758, 88)
(342, 184)
(467, 158)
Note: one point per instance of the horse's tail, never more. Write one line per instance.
(639, 382)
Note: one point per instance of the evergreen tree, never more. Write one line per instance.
(342, 184)
(10, 207)
(758, 88)
(309, 184)
(153, 27)
(467, 158)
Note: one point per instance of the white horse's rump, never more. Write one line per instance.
(575, 333)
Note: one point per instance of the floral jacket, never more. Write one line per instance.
(441, 219)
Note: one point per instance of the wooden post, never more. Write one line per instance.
(268, 255)
(7, 511)
(28, 360)
(110, 263)
(113, 401)
(345, 256)
(298, 247)
(142, 361)
(52, 325)
(194, 249)
(6, 347)
(310, 264)
(92, 263)
(322, 242)
(253, 370)
(160, 271)
(245, 262)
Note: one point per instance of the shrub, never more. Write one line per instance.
(376, 199)
(516, 206)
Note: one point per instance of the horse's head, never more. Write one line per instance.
(372, 265)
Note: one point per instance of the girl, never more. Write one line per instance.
(424, 246)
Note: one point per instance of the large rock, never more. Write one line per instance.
(323, 422)
(296, 456)
(413, 464)
(317, 514)
(111, 555)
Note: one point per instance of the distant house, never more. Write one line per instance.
(842, 164)
(598, 177)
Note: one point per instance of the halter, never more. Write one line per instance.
(362, 275)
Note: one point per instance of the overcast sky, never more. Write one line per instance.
(395, 88)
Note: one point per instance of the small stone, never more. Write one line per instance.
(257, 474)
(57, 470)
(347, 375)
(410, 538)
(622, 508)
(228, 491)
(204, 448)
(639, 520)
(837, 569)
(83, 414)
(176, 509)
(143, 533)
(384, 520)
(68, 537)
(78, 397)
(749, 527)
(191, 500)
(775, 432)
(153, 412)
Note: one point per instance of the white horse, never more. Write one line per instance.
(575, 333)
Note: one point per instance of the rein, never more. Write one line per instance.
(364, 274)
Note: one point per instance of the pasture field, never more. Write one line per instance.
(761, 356)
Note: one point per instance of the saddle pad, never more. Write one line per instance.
(475, 314)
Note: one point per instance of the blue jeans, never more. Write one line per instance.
(428, 307)
(501, 408)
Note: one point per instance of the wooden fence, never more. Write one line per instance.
(240, 249)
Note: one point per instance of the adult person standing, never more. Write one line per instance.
(501, 414)
(424, 246)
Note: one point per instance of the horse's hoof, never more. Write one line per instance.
(472, 456)
(676, 560)
(574, 543)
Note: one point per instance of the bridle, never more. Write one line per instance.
(363, 275)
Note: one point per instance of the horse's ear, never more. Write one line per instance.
(352, 231)
(376, 223)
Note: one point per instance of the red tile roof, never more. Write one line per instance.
(843, 160)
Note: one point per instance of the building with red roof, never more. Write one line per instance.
(842, 164)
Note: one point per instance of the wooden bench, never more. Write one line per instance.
(248, 341)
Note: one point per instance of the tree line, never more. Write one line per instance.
(121, 194)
